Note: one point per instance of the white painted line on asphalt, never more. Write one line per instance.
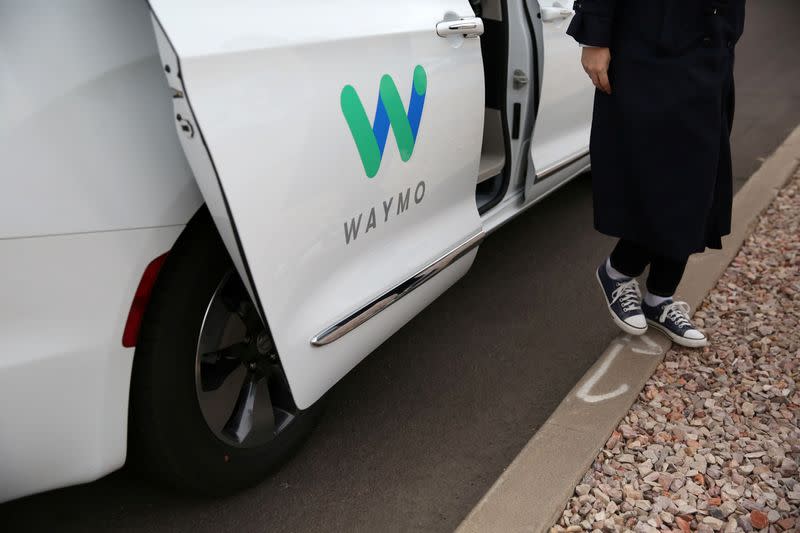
(584, 392)
(653, 348)
(653, 344)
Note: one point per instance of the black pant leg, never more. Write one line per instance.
(665, 275)
(629, 258)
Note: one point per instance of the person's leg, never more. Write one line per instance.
(663, 279)
(627, 260)
(617, 278)
(661, 311)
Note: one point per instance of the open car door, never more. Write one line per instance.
(337, 147)
(564, 116)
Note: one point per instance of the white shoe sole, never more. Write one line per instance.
(677, 339)
(624, 326)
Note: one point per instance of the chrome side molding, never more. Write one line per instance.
(364, 313)
(552, 169)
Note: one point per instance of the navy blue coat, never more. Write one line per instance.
(660, 145)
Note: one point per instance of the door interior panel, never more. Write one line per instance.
(494, 174)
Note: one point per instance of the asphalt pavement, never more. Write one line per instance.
(416, 434)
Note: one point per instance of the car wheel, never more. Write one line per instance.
(211, 409)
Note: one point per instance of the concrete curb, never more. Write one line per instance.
(531, 493)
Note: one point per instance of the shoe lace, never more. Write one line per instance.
(678, 312)
(628, 295)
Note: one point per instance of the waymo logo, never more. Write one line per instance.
(371, 139)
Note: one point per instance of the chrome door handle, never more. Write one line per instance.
(551, 14)
(468, 27)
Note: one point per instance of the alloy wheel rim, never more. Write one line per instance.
(241, 387)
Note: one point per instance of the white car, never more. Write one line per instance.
(187, 300)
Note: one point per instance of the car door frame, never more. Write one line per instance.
(538, 183)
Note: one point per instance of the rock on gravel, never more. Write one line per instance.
(713, 441)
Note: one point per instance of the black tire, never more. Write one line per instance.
(169, 436)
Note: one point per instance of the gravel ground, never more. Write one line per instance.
(713, 441)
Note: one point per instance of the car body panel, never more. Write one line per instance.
(86, 134)
(64, 374)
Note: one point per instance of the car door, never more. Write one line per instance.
(563, 121)
(337, 147)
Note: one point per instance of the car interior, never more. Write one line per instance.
(493, 172)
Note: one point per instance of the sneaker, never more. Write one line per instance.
(624, 302)
(672, 318)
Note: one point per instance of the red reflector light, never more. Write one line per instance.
(140, 300)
